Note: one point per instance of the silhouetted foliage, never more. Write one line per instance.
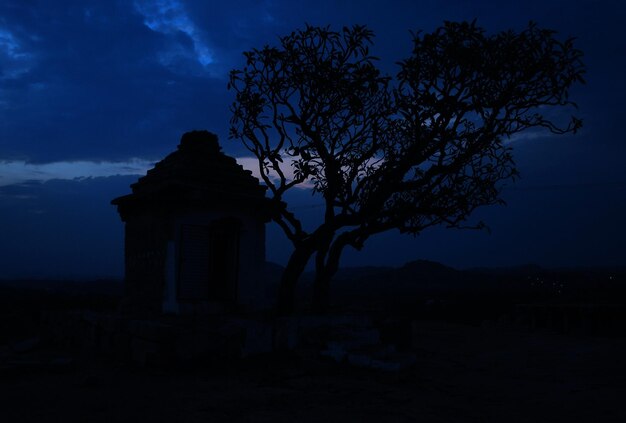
(423, 149)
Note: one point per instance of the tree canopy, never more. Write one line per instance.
(423, 148)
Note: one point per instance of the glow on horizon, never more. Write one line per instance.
(19, 171)
(252, 164)
(16, 172)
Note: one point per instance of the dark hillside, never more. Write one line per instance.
(22, 301)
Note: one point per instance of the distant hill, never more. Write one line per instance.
(416, 282)
(105, 287)
(423, 281)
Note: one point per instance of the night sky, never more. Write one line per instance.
(94, 92)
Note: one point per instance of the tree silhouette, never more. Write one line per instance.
(424, 148)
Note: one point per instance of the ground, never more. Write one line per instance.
(463, 374)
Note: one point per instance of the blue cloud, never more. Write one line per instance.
(107, 80)
(170, 17)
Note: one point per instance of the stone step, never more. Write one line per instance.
(377, 357)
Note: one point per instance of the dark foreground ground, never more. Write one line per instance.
(463, 374)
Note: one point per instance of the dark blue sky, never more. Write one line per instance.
(92, 92)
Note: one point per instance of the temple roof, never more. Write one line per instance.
(196, 174)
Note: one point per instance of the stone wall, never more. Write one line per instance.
(145, 255)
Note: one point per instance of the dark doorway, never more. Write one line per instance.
(193, 267)
(209, 261)
(224, 260)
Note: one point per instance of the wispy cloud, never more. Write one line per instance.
(529, 135)
(252, 164)
(9, 44)
(15, 172)
(169, 17)
(14, 59)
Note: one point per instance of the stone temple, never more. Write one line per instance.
(195, 233)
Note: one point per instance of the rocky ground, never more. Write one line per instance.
(462, 374)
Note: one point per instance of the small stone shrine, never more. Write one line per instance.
(194, 233)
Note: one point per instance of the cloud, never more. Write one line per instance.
(10, 46)
(108, 80)
(169, 17)
(18, 172)
(529, 135)
(99, 84)
(14, 59)
(252, 164)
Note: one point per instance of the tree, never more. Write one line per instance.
(422, 149)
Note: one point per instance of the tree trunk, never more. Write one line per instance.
(321, 291)
(287, 290)
(326, 267)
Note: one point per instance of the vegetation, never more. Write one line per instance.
(422, 149)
